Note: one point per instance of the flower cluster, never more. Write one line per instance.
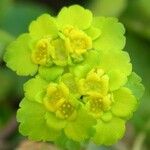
(83, 85)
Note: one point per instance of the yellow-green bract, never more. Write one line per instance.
(83, 85)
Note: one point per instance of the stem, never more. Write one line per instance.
(139, 141)
(9, 129)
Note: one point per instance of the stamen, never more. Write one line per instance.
(79, 41)
(41, 53)
(66, 109)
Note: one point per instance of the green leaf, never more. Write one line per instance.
(108, 133)
(61, 53)
(54, 122)
(124, 104)
(67, 144)
(135, 85)
(76, 16)
(116, 79)
(34, 88)
(69, 80)
(33, 123)
(117, 65)
(73, 145)
(93, 32)
(18, 56)
(79, 129)
(112, 34)
(43, 26)
(20, 15)
(50, 73)
(91, 60)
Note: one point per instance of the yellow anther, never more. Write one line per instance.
(57, 91)
(43, 44)
(41, 53)
(68, 106)
(66, 116)
(95, 82)
(79, 42)
(64, 105)
(56, 95)
(99, 104)
(64, 112)
(66, 109)
(68, 30)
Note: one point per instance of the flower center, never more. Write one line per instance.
(95, 82)
(66, 110)
(79, 42)
(55, 94)
(95, 91)
(41, 53)
(57, 101)
(99, 104)
(96, 105)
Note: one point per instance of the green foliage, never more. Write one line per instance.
(5, 39)
(138, 23)
(8, 80)
(106, 8)
(82, 86)
(17, 16)
(134, 83)
(4, 6)
(67, 144)
(139, 50)
(111, 31)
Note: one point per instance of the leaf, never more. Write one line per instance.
(79, 130)
(76, 16)
(50, 73)
(135, 85)
(20, 15)
(108, 133)
(34, 87)
(18, 56)
(117, 65)
(43, 26)
(124, 104)
(112, 34)
(32, 122)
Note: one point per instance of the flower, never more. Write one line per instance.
(108, 107)
(84, 86)
(56, 109)
(104, 85)
(62, 41)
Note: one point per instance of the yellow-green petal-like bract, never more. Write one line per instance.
(83, 87)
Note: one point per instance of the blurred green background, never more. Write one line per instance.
(15, 16)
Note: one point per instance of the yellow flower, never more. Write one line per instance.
(95, 82)
(97, 104)
(42, 52)
(55, 93)
(58, 100)
(77, 42)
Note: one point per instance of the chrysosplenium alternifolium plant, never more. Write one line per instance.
(83, 85)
